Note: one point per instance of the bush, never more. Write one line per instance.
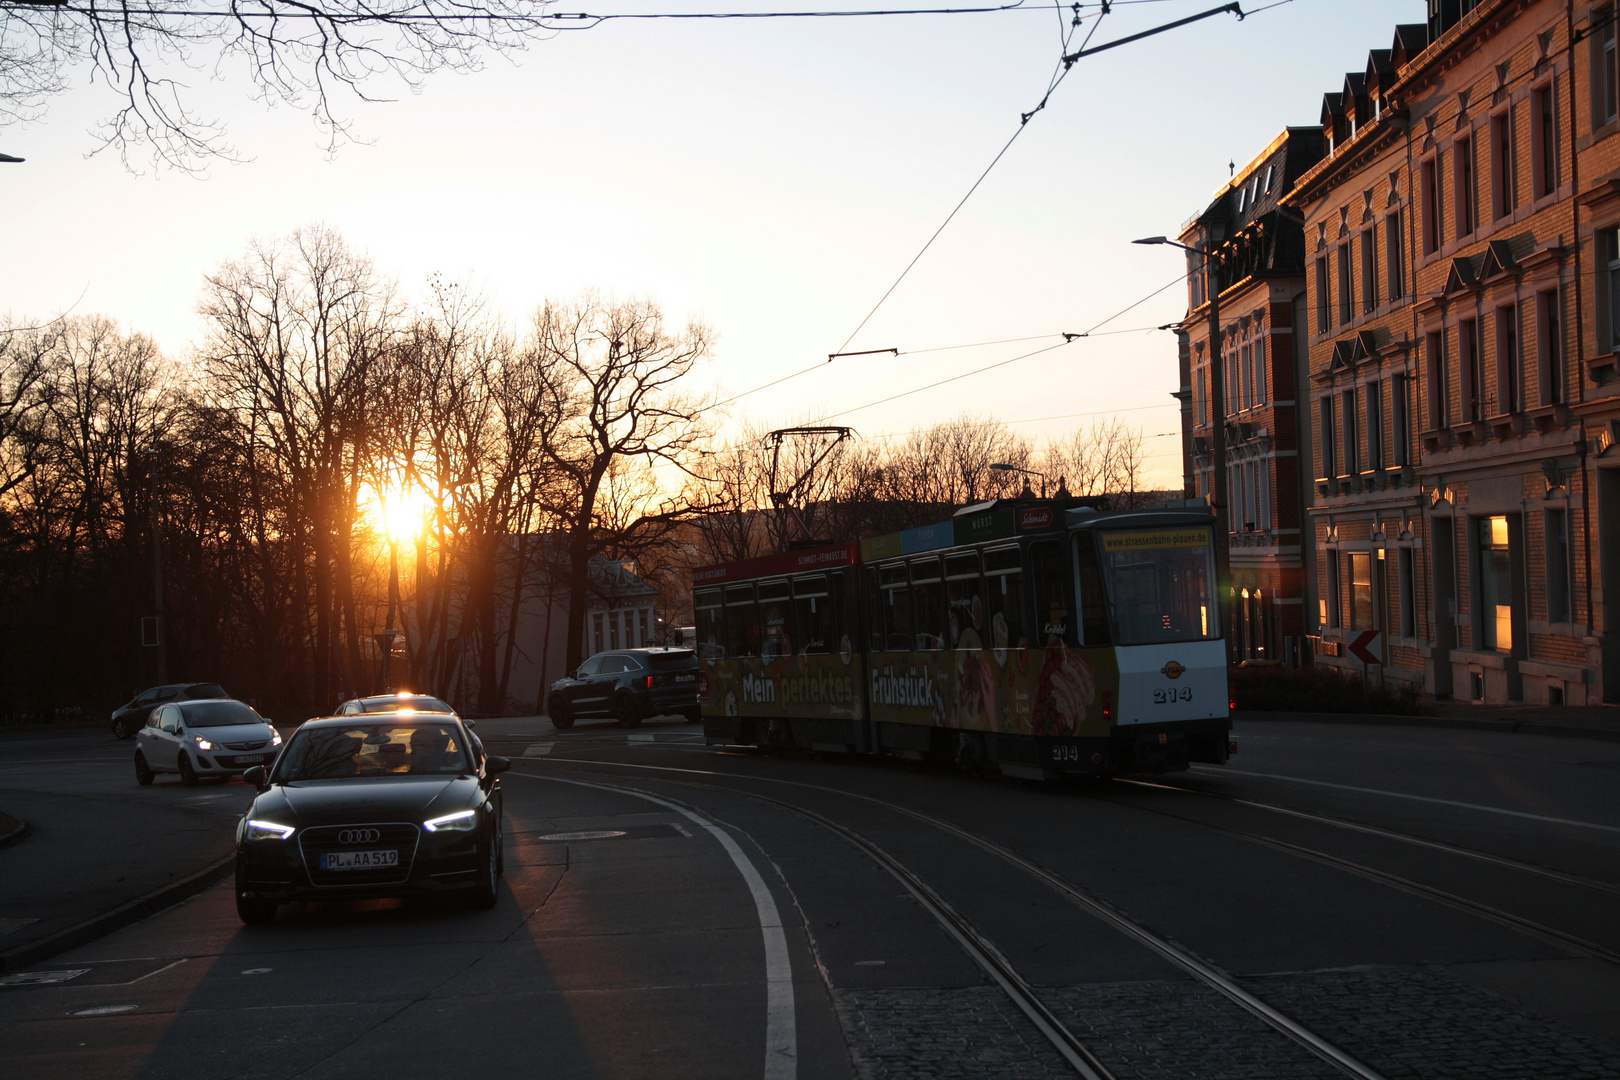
(1320, 689)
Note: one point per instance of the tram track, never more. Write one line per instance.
(1388, 834)
(983, 951)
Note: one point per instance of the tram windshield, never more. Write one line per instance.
(1160, 584)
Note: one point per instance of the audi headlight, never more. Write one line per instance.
(268, 830)
(460, 821)
(204, 744)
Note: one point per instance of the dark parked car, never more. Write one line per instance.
(130, 717)
(373, 805)
(628, 685)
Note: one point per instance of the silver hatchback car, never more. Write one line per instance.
(204, 738)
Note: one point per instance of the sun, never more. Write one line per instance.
(398, 513)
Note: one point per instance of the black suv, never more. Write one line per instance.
(628, 685)
(130, 717)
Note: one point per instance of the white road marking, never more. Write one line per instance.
(641, 736)
(781, 1034)
(1217, 770)
(539, 749)
(42, 978)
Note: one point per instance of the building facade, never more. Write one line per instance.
(1455, 276)
(1259, 282)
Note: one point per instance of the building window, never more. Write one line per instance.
(1324, 310)
(1262, 392)
(1434, 358)
(1611, 243)
(1472, 392)
(1263, 472)
(1375, 425)
(1334, 597)
(1329, 446)
(1544, 140)
(1495, 585)
(1558, 566)
(1247, 375)
(1400, 415)
(1361, 591)
(1604, 94)
(1352, 452)
(1347, 292)
(1463, 174)
(1407, 587)
(1504, 189)
(1202, 399)
(1509, 378)
(599, 637)
(1431, 206)
(1369, 270)
(1271, 172)
(1393, 249)
(1547, 348)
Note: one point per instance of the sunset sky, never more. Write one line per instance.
(771, 177)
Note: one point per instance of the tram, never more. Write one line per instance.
(1035, 637)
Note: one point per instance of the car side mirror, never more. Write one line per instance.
(257, 777)
(471, 724)
(179, 729)
(496, 764)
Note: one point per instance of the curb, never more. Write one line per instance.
(16, 832)
(1521, 727)
(119, 917)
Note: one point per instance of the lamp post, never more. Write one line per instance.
(157, 570)
(1001, 466)
(1217, 442)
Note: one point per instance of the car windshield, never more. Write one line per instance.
(340, 752)
(394, 704)
(219, 714)
(670, 661)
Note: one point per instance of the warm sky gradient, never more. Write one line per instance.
(769, 177)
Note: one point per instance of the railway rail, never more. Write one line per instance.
(981, 949)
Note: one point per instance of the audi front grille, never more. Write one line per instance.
(327, 839)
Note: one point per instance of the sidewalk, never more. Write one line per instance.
(1600, 722)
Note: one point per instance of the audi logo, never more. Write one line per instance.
(359, 836)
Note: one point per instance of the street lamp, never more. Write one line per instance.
(1217, 442)
(1001, 466)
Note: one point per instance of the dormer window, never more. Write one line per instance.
(1271, 172)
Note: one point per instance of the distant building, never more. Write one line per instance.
(1261, 283)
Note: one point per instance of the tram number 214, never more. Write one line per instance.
(1169, 695)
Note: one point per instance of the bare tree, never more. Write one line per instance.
(301, 55)
(619, 369)
(1105, 459)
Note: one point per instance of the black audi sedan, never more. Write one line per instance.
(372, 805)
(628, 685)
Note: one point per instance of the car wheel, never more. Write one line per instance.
(121, 728)
(625, 711)
(143, 771)
(188, 775)
(562, 718)
(484, 896)
(253, 910)
(500, 847)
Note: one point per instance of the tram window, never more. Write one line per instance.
(813, 611)
(742, 621)
(896, 608)
(964, 591)
(875, 602)
(928, 593)
(1093, 610)
(1052, 597)
(711, 624)
(1158, 582)
(1004, 597)
(775, 619)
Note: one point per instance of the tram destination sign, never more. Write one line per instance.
(1152, 539)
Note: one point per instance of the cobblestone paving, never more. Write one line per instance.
(1427, 1024)
(1407, 1023)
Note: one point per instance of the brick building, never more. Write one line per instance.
(1261, 281)
(1449, 319)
